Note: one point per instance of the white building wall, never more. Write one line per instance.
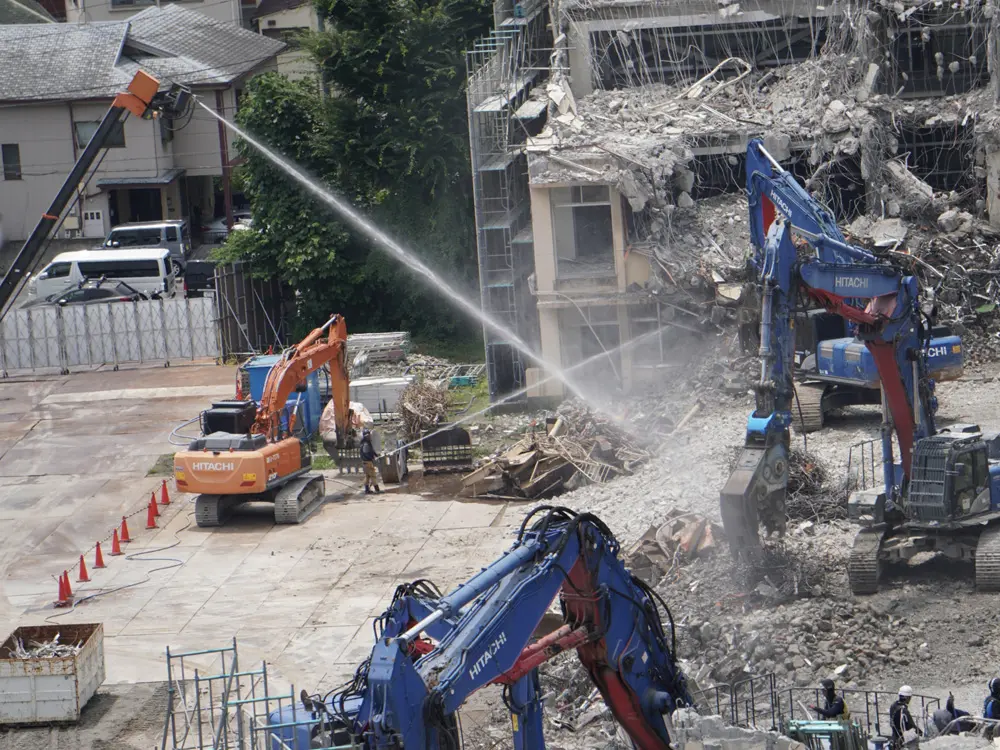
(293, 63)
(196, 147)
(44, 135)
(79, 11)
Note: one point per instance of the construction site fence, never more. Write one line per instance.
(114, 333)
(759, 703)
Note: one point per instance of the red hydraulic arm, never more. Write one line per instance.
(296, 364)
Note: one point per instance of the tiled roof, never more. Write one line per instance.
(96, 60)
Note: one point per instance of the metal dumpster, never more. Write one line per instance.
(45, 690)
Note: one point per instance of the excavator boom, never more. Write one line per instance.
(433, 652)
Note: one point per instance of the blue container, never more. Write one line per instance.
(310, 409)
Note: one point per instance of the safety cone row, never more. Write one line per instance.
(65, 594)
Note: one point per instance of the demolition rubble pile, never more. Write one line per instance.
(578, 446)
(811, 495)
(640, 141)
(422, 406)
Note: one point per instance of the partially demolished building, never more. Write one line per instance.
(608, 146)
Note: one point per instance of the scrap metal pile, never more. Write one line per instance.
(43, 650)
(577, 447)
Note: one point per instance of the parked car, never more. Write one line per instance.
(92, 292)
(199, 277)
(175, 235)
(217, 231)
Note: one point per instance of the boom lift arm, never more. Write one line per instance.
(407, 693)
(142, 99)
(839, 276)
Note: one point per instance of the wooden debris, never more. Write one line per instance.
(683, 535)
(423, 406)
(576, 447)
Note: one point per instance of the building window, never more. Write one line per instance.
(591, 334)
(85, 131)
(130, 3)
(644, 321)
(11, 155)
(581, 228)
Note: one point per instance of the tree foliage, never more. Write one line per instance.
(391, 137)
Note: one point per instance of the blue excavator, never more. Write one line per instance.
(834, 369)
(432, 652)
(941, 491)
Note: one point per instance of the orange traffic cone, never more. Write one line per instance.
(84, 578)
(153, 505)
(151, 514)
(66, 586)
(98, 558)
(164, 496)
(62, 600)
(116, 548)
(125, 536)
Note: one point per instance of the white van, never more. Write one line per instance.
(145, 269)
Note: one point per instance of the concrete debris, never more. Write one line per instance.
(683, 536)
(692, 730)
(577, 447)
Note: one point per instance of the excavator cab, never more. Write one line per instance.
(950, 477)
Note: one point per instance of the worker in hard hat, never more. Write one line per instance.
(368, 461)
(904, 728)
(833, 705)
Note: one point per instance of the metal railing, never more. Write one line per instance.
(758, 703)
(861, 464)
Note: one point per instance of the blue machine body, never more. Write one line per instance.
(849, 360)
(295, 727)
(309, 402)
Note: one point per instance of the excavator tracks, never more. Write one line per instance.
(807, 409)
(988, 560)
(213, 510)
(299, 499)
(863, 567)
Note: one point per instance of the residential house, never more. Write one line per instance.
(287, 20)
(58, 83)
(236, 12)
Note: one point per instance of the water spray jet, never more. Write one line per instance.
(365, 227)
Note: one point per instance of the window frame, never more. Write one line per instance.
(116, 135)
(14, 171)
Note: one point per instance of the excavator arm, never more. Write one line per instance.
(433, 652)
(295, 365)
(848, 281)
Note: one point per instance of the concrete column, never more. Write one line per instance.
(578, 41)
(993, 184)
(618, 238)
(548, 322)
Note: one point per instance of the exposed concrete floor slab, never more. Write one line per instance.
(74, 453)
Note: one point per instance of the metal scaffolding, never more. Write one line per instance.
(503, 68)
(217, 706)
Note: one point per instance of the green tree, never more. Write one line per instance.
(393, 138)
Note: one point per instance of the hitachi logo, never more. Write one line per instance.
(853, 282)
(213, 466)
(776, 200)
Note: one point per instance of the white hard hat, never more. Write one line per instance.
(906, 691)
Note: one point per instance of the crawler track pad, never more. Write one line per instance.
(299, 499)
(214, 510)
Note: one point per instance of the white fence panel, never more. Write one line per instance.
(112, 333)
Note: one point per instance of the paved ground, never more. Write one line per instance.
(74, 454)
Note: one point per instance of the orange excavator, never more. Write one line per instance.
(251, 453)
